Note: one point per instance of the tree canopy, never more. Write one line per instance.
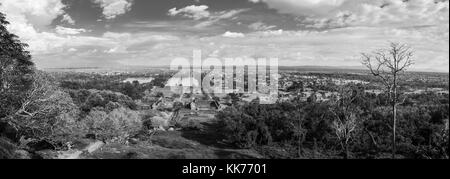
(16, 70)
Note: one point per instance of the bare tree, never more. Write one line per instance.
(389, 65)
(345, 113)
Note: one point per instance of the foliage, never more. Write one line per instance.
(107, 100)
(46, 113)
(16, 70)
(134, 90)
(254, 125)
(120, 123)
(315, 128)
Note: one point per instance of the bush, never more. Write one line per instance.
(108, 100)
(118, 124)
(256, 125)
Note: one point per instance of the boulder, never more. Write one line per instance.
(158, 122)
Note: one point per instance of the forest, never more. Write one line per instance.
(298, 129)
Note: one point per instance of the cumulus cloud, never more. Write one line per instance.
(201, 12)
(31, 20)
(339, 13)
(68, 19)
(193, 11)
(114, 8)
(31, 12)
(28, 17)
(233, 34)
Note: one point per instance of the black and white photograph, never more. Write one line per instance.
(224, 79)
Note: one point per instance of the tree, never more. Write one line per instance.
(389, 65)
(16, 70)
(44, 109)
(345, 113)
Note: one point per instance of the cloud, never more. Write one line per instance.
(28, 17)
(32, 21)
(340, 13)
(114, 8)
(303, 7)
(201, 13)
(68, 19)
(335, 47)
(68, 31)
(233, 34)
(34, 13)
(260, 26)
(193, 11)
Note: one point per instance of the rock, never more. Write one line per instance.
(74, 154)
(133, 141)
(161, 128)
(160, 121)
(171, 129)
(94, 147)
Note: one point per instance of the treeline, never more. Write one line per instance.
(135, 90)
(355, 126)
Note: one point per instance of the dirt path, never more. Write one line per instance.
(76, 154)
(186, 144)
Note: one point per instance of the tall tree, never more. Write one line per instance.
(389, 65)
(16, 70)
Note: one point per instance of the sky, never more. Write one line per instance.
(112, 33)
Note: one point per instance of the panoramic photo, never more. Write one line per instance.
(224, 79)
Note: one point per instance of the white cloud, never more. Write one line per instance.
(201, 13)
(28, 17)
(193, 11)
(365, 12)
(68, 19)
(31, 20)
(72, 50)
(114, 8)
(68, 31)
(260, 26)
(304, 7)
(233, 34)
(31, 12)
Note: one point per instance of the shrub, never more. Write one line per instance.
(108, 100)
(120, 123)
(244, 130)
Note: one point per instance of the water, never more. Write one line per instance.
(140, 80)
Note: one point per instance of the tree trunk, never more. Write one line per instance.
(394, 135)
(394, 118)
(347, 153)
